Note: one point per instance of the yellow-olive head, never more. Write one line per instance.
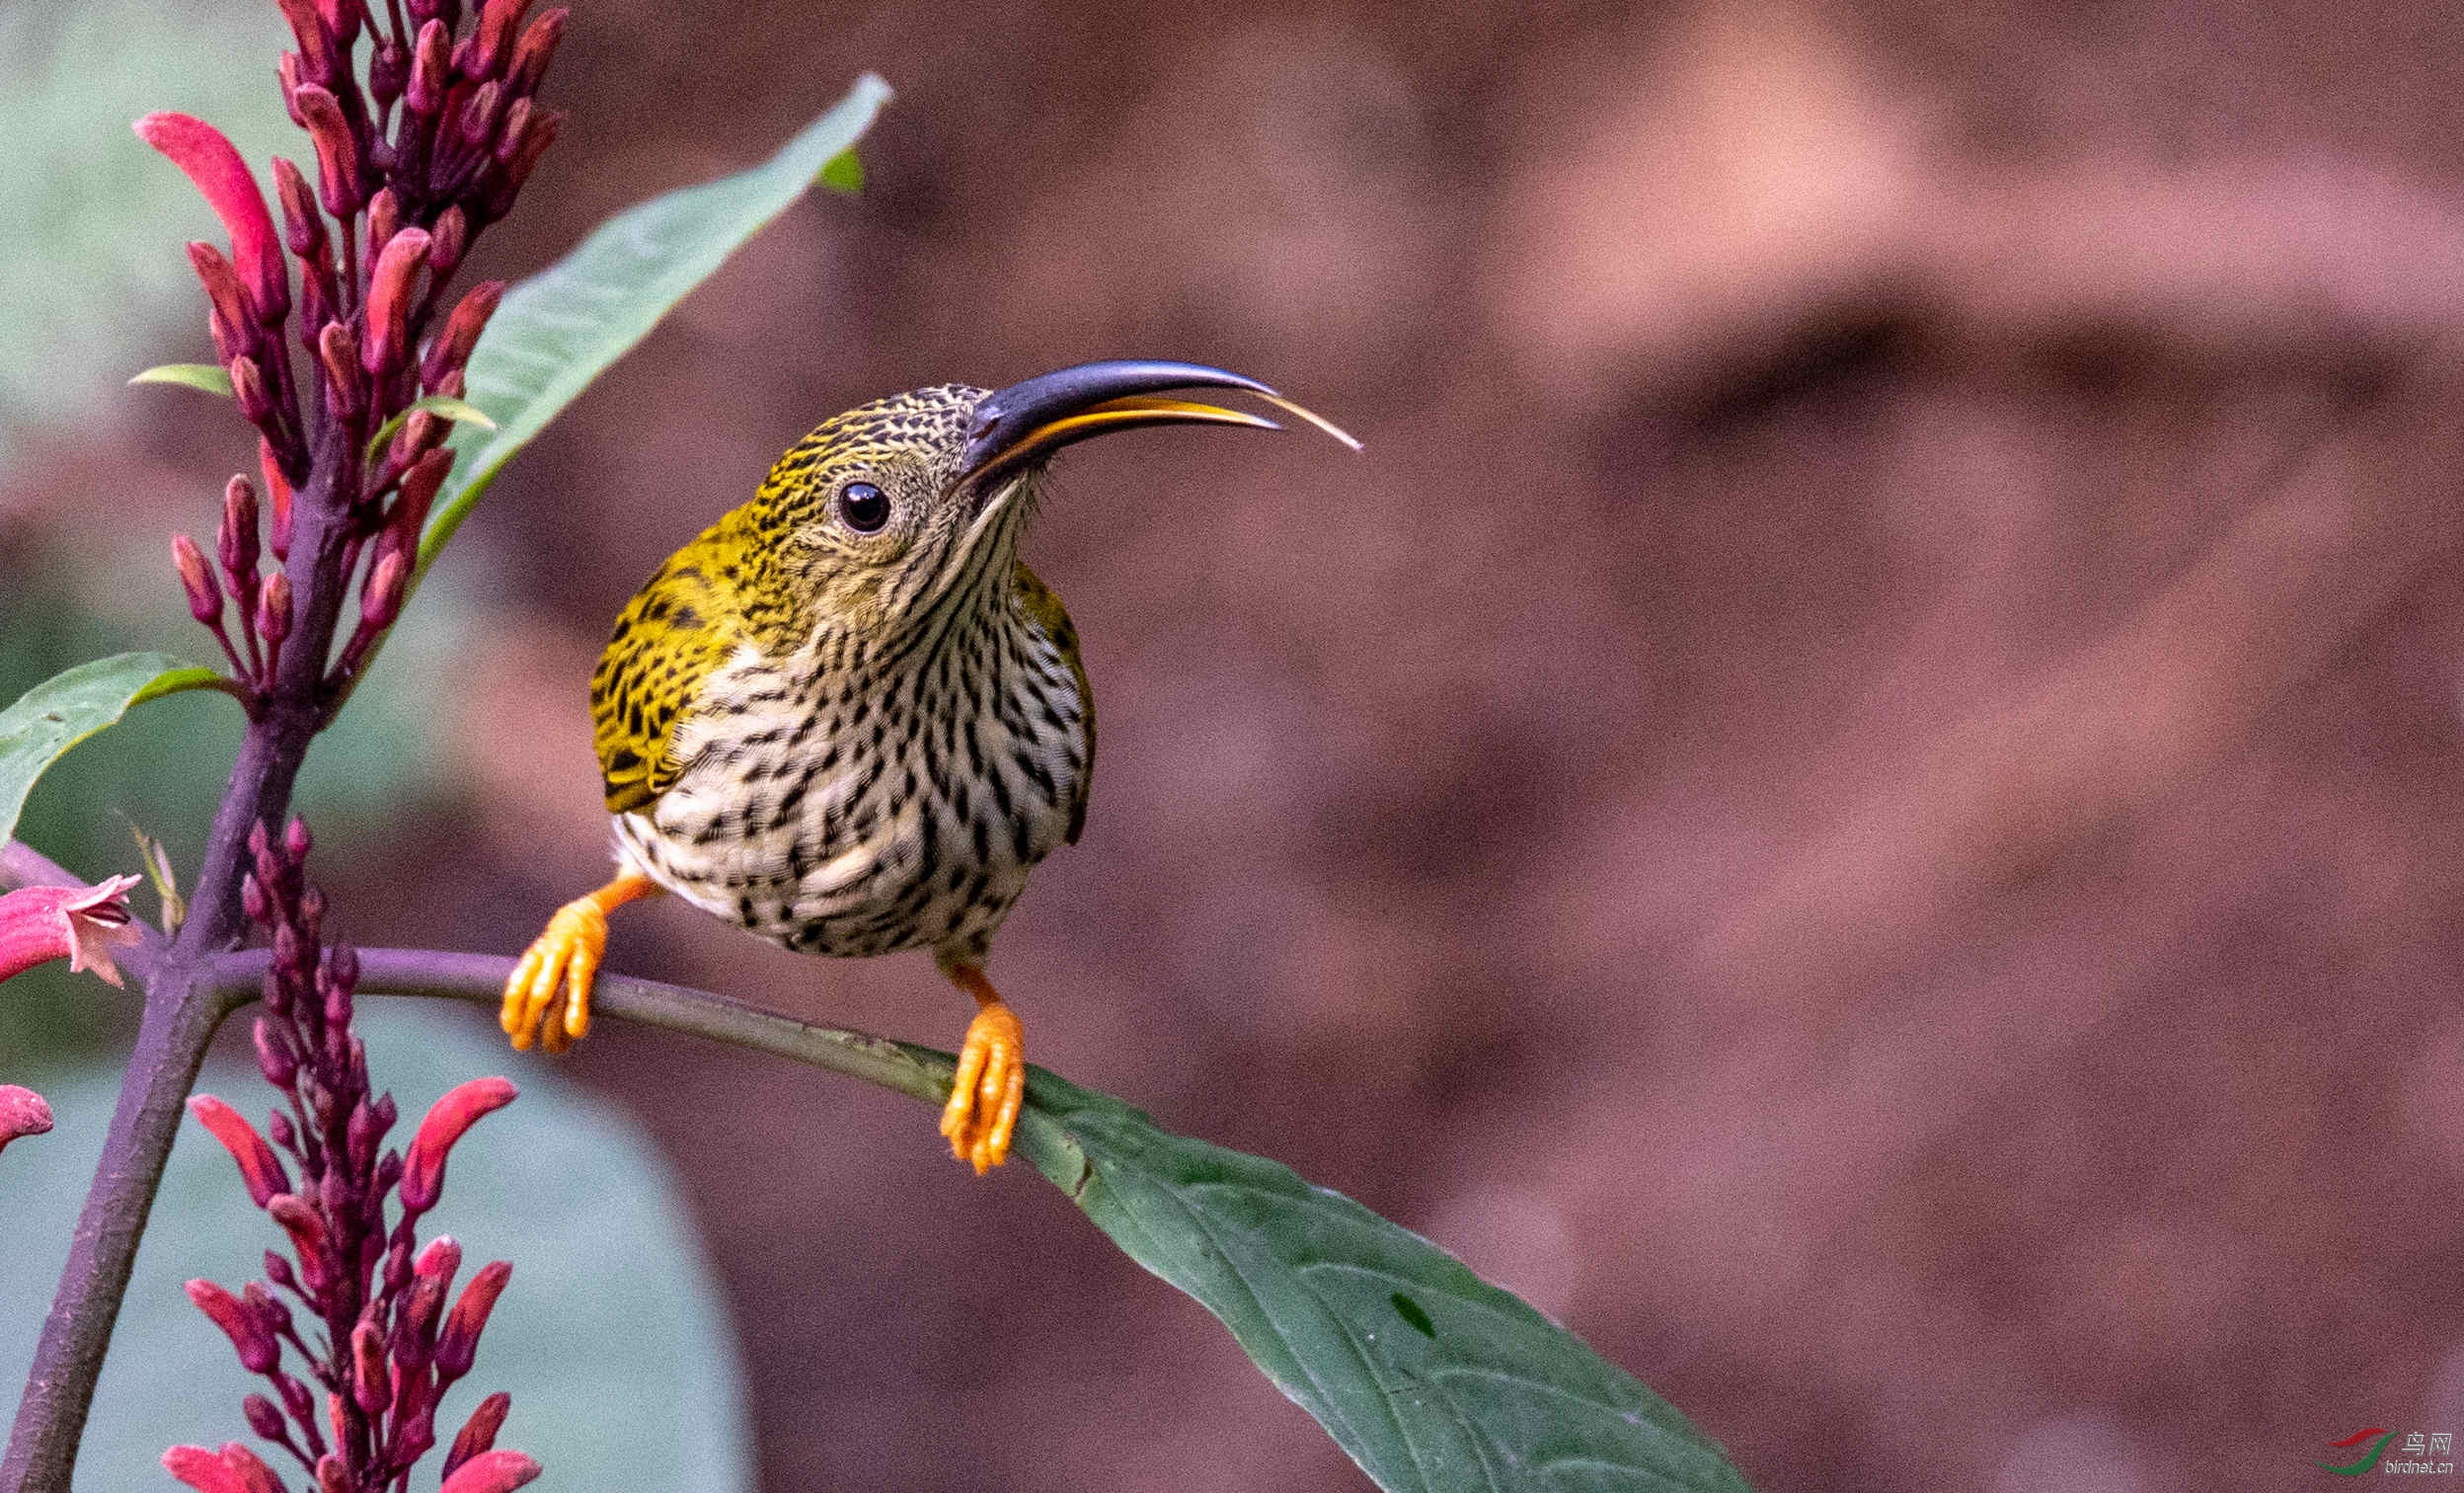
(883, 511)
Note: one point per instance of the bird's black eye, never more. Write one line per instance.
(865, 507)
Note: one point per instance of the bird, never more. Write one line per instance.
(850, 720)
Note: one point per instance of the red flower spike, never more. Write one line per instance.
(458, 1345)
(203, 1470)
(247, 1331)
(208, 159)
(479, 1433)
(278, 490)
(197, 578)
(424, 1169)
(259, 1166)
(339, 185)
(533, 53)
(254, 1474)
(389, 301)
(451, 349)
(492, 1472)
(22, 1113)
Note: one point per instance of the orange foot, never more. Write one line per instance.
(991, 1081)
(566, 954)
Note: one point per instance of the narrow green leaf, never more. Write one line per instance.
(562, 328)
(69, 707)
(212, 378)
(459, 411)
(1433, 1379)
(843, 172)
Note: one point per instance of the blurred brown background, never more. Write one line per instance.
(1858, 795)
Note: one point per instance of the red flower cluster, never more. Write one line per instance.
(390, 1348)
(432, 149)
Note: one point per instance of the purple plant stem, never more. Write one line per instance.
(183, 1010)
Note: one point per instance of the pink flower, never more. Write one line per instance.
(81, 923)
(200, 150)
(22, 1113)
(424, 1170)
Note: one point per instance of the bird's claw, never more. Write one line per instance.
(566, 955)
(990, 1086)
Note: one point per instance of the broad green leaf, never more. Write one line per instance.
(1433, 1379)
(461, 412)
(212, 378)
(562, 328)
(843, 172)
(69, 707)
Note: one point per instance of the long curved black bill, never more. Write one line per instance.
(1028, 422)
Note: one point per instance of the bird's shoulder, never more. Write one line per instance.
(704, 606)
(1044, 609)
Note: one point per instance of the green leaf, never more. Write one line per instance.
(1429, 1377)
(459, 411)
(212, 378)
(69, 707)
(562, 328)
(843, 172)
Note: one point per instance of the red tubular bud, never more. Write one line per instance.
(276, 1316)
(517, 124)
(386, 343)
(432, 70)
(533, 53)
(492, 1472)
(331, 1475)
(276, 1058)
(207, 158)
(384, 220)
(372, 1385)
(259, 1168)
(316, 47)
(479, 117)
(418, 490)
(279, 489)
(23, 1113)
(544, 124)
(274, 610)
(287, 67)
(298, 839)
(339, 183)
(479, 1433)
(235, 330)
(448, 241)
(254, 1474)
(388, 66)
(424, 1170)
(380, 601)
(302, 225)
(494, 42)
(308, 1236)
(451, 347)
(197, 578)
(340, 18)
(237, 539)
(265, 1417)
(203, 1470)
(458, 1344)
(239, 1323)
(247, 386)
(340, 354)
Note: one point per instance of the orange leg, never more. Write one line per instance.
(991, 1081)
(566, 954)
